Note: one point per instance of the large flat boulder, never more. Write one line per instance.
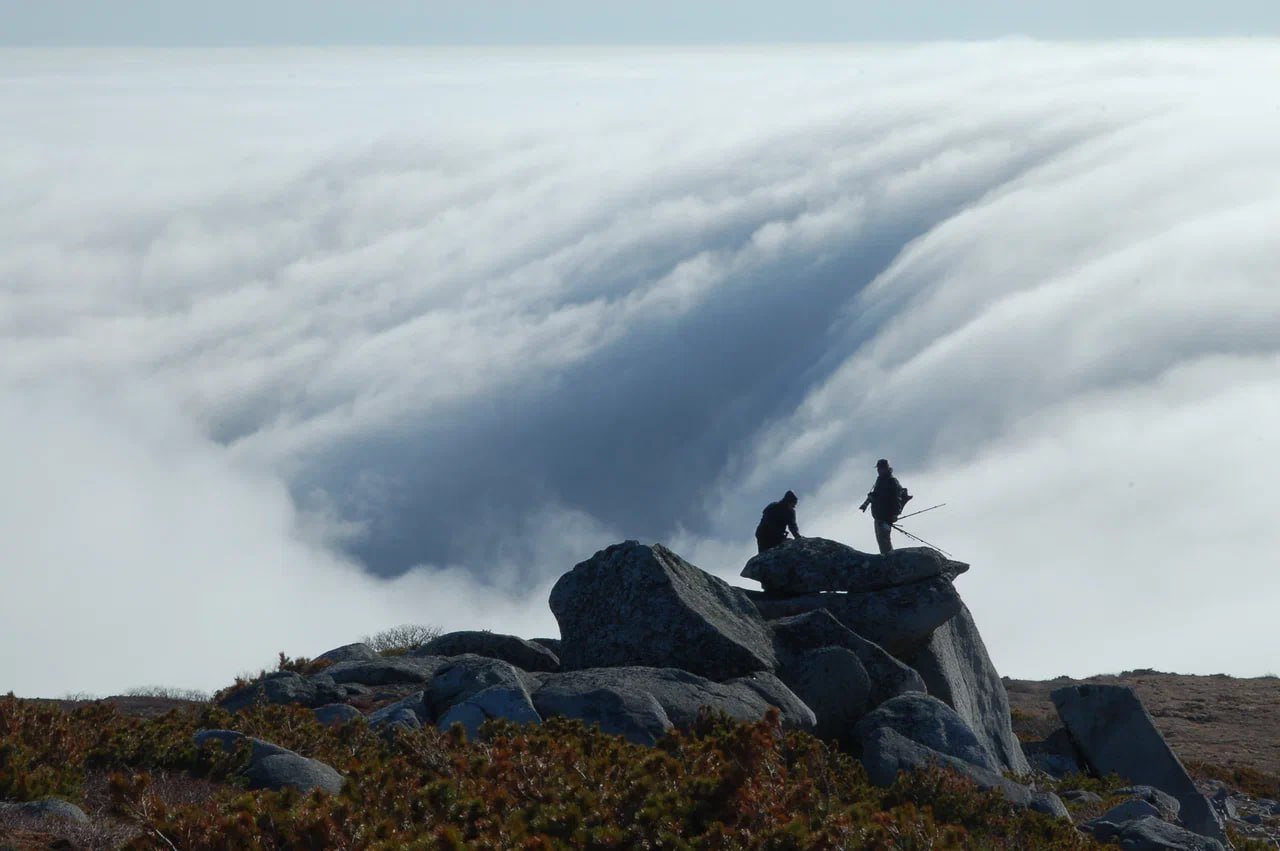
(1114, 733)
(812, 565)
(957, 670)
(899, 619)
(799, 634)
(637, 605)
(357, 652)
(509, 648)
(886, 753)
(680, 695)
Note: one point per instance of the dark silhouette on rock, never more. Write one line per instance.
(776, 520)
(887, 499)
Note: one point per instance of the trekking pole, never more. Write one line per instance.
(922, 511)
(921, 540)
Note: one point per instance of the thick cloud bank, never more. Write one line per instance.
(299, 345)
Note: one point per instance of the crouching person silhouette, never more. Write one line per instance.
(776, 519)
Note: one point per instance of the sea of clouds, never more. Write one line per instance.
(299, 345)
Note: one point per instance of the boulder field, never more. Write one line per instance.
(877, 654)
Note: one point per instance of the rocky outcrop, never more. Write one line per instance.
(405, 714)
(899, 619)
(523, 654)
(680, 695)
(886, 753)
(813, 565)
(1114, 733)
(636, 605)
(957, 670)
(337, 714)
(799, 634)
(834, 684)
(929, 722)
(273, 767)
(632, 713)
(464, 676)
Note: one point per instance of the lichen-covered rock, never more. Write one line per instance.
(812, 565)
(631, 713)
(525, 655)
(834, 684)
(283, 687)
(958, 671)
(1113, 731)
(390, 670)
(899, 619)
(336, 714)
(405, 714)
(46, 808)
(636, 605)
(511, 703)
(465, 676)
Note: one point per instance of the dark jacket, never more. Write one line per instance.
(886, 498)
(776, 518)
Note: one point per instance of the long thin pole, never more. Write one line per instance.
(921, 540)
(922, 511)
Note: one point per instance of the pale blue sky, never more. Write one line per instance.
(323, 22)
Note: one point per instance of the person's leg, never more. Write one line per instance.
(762, 544)
(882, 537)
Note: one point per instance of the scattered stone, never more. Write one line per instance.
(1113, 731)
(1166, 805)
(814, 630)
(357, 652)
(957, 670)
(636, 605)
(273, 767)
(337, 714)
(929, 722)
(899, 619)
(523, 654)
(46, 808)
(1151, 834)
(811, 565)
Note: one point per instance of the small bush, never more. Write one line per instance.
(399, 640)
(168, 693)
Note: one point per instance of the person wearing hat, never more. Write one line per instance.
(775, 520)
(886, 500)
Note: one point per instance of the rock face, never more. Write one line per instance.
(957, 670)
(636, 605)
(899, 619)
(499, 701)
(812, 565)
(631, 713)
(1113, 731)
(523, 654)
(679, 694)
(273, 767)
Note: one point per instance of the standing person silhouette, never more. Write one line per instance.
(886, 500)
(775, 520)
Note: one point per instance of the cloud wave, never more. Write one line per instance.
(297, 344)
